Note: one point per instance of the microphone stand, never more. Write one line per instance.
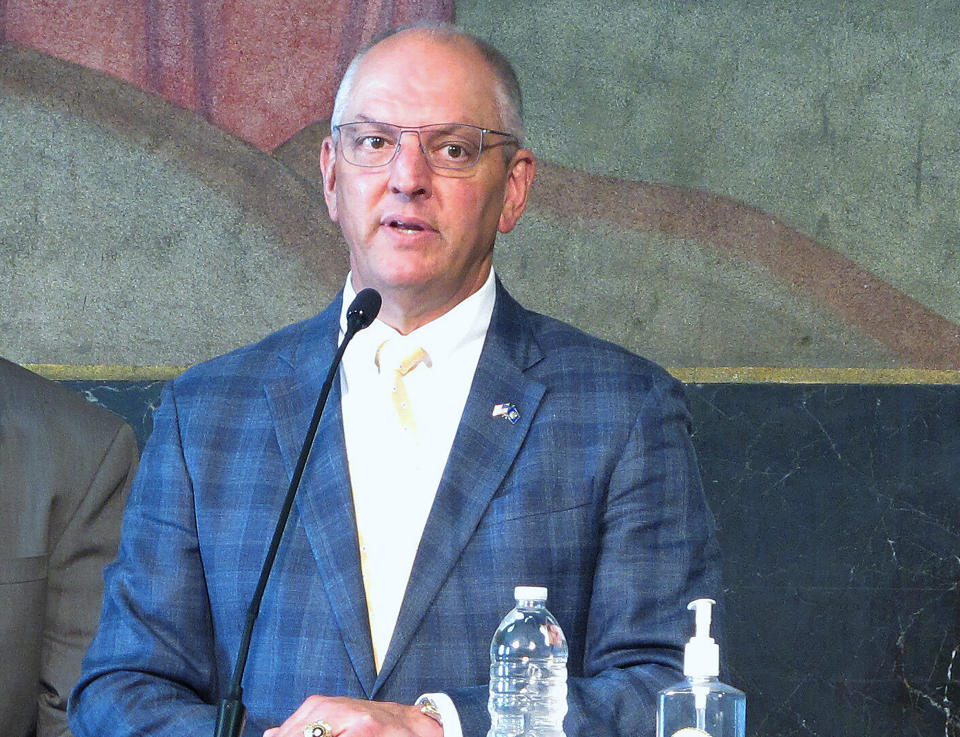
(232, 714)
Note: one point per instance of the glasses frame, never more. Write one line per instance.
(415, 129)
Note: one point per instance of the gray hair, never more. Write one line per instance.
(506, 86)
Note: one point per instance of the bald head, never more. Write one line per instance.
(506, 88)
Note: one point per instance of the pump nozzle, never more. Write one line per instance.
(703, 610)
(701, 656)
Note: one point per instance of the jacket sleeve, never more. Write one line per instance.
(657, 553)
(78, 554)
(151, 667)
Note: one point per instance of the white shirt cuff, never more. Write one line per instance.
(448, 713)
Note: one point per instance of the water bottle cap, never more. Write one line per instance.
(530, 593)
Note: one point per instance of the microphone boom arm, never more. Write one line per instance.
(231, 714)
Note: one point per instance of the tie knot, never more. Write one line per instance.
(400, 357)
(412, 360)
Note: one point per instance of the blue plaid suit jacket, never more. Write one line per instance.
(594, 493)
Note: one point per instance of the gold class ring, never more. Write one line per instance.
(318, 729)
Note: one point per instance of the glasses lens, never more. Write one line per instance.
(451, 146)
(368, 144)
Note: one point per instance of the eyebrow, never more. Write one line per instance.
(361, 118)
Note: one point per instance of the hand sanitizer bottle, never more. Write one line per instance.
(700, 705)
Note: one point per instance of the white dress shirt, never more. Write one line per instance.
(394, 474)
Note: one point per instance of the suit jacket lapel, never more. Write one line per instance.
(482, 452)
(325, 502)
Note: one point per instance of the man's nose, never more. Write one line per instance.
(410, 174)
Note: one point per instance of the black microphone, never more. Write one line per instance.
(363, 310)
(232, 714)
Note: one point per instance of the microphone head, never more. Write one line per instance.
(363, 310)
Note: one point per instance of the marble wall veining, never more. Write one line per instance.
(839, 519)
(838, 515)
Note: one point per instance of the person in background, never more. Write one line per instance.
(469, 445)
(65, 469)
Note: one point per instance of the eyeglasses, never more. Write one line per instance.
(454, 146)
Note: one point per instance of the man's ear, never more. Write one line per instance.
(328, 160)
(520, 173)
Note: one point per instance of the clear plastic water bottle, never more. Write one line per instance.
(528, 670)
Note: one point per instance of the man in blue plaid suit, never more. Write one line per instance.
(539, 456)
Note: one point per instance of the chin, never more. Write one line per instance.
(407, 275)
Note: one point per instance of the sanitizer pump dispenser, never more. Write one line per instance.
(700, 705)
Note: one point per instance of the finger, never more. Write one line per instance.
(313, 710)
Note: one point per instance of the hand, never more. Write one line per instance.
(358, 718)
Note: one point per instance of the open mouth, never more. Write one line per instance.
(406, 227)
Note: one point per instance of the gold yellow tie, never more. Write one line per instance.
(398, 394)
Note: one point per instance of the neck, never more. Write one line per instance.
(406, 320)
(406, 309)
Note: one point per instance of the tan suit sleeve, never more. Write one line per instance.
(65, 468)
(88, 542)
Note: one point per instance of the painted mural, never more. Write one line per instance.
(720, 185)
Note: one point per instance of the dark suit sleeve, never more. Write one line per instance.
(78, 554)
(657, 553)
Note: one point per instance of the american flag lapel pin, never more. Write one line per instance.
(507, 411)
